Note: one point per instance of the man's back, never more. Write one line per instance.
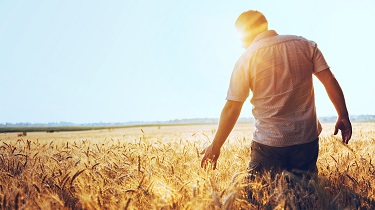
(278, 70)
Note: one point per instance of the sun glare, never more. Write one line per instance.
(164, 192)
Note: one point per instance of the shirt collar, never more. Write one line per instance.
(265, 34)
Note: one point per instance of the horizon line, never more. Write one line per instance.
(180, 120)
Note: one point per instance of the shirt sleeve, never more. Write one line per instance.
(239, 88)
(318, 59)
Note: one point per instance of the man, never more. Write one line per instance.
(278, 70)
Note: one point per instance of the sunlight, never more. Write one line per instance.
(164, 192)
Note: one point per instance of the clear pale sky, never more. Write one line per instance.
(145, 60)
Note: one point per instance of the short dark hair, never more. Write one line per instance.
(251, 20)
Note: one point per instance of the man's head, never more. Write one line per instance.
(250, 24)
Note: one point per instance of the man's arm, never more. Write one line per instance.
(336, 95)
(228, 119)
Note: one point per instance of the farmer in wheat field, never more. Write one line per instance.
(278, 69)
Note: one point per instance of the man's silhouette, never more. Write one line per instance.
(278, 70)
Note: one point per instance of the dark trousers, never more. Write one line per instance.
(297, 158)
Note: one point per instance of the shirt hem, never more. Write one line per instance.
(285, 145)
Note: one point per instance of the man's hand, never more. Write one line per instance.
(211, 154)
(345, 126)
(228, 118)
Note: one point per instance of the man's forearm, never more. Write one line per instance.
(336, 95)
(334, 92)
(228, 119)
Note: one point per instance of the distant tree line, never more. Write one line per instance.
(361, 118)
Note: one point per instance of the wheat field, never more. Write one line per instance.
(158, 167)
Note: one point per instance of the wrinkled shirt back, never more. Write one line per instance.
(278, 70)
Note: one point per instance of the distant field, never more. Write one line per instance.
(158, 167)
(51, 129)
(57, 128)
(47, 129)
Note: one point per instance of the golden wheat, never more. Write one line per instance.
(159, 168)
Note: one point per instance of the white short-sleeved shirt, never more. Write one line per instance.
(278, 70)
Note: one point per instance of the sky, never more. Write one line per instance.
(94, 61)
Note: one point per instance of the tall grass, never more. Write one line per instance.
(158, 168)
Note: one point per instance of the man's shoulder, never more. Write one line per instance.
(274, 41)
(288, 37)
